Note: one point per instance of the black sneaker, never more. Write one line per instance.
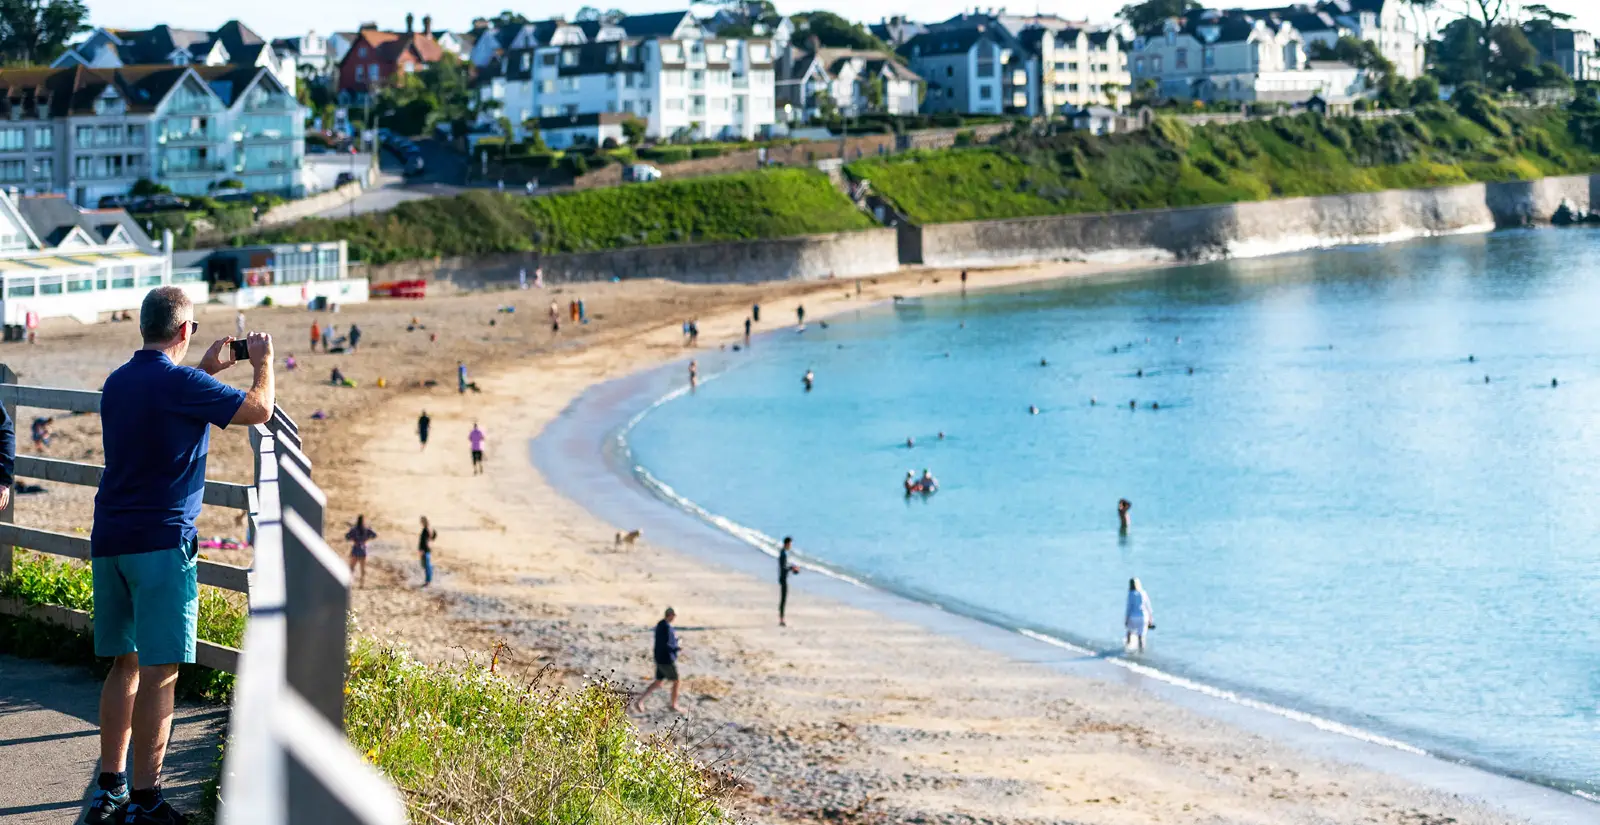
(163, 814)
(107, 807)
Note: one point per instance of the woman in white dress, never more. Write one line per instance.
(1139, 617)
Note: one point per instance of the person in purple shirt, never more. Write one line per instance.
(666, 656)
(156, 416)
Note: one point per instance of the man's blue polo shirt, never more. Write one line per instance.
(157, 417)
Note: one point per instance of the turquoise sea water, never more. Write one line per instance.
(1333, 512)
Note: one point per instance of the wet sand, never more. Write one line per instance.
(844, 716)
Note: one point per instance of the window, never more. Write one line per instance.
(758, 53)
(136, 135)
(121, 277)
(627, 81)
(13, 140)
(1138, 65)
(372, 72)
(1061, 66)
(83, 136)
(83, 166)
(80, 282)
(361, 52)
(44, 137)
(361, 72)
(611, 105)
(985, 92)
(547, 87)
(627, 106)
(627, 53)
(738, 105)
(108, 136)
(547, 59)
(151, 276)
(1072, 87)
(1209, 57)
(1155, 64)
(527, 61)
(1072, 67)
(569, 57)
(721, 78)
(1181, 60)
(611, 81)
(697, 79)
(44, 171)
(13, 170)
(50, 284)
(949, 71)
(19, 290)
(611, 55)
(645, 107)
(569, 84)
(549, 111)
(570, 109)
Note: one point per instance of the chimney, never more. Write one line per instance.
(813, 43)
(409, 23)
(427, 24)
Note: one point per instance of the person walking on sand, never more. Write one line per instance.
(316, 335)
(355, 337)
(424, 423)
(156, 430)
(461, 377)
(476, 439)
(358, 536)
(666, 657)
(425, 550)
(747, 332)
(800, 315)
(1123, 506)
(1139, 617)
(555, 317)
(785, 569)
(327, 336)
(572, 311)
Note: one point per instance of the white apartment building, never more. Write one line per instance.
(90, 133)
(978, 68)
(1078, 68)
(1238, 56)
(661, 68)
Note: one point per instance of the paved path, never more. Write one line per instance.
(49, 744)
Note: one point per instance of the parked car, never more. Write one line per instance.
(115, 202)
(414, 165)
(641, 173)
(157, 203)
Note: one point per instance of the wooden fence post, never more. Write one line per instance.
(8, 513)
(297, 493)
(317, 606)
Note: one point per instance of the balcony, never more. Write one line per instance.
(205, 167)
(189, 138)
(741, 81)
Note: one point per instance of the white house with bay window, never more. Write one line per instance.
(58, 260)
(1238, 56)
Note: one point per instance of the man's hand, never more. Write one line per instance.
(260, 349)
(218, 357)
(5, 496)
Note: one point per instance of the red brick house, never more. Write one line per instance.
(376, 57)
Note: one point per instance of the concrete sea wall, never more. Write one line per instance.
(841, 254)
(1248, 229)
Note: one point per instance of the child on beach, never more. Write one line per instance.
(476, 439)
(358, 536)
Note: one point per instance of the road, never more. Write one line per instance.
(49, 735)
(444, 171)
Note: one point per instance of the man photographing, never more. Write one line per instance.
(157, 417)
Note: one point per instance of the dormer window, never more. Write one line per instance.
(109, 103)
(527, 61)
(569, 57)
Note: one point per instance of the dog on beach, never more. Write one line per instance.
(629, 537)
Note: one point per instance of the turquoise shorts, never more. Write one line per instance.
(147, 603)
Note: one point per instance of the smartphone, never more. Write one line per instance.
(241, 349)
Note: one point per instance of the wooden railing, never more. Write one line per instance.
(287, 759)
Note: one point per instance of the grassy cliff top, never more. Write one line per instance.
(1172, 164)
(766, 204)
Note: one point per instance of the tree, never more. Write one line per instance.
(36, 31)
(1511, 57)
(1461, 54)
(1143, 17)
(614, 16)
(505, 129)
(1424, 90)
(1145, 91)
(825, 106)
(508, 18)
(873, 92)
(588, 14)
(1113, 93)
(1422, 16)
(1362, 54)
(835, 32)
(633, 129)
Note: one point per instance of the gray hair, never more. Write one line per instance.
(160, 314)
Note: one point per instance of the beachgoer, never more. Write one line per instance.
(355, 337)
(1123, 506)
(808, 380)
(538, 277)
(238, 325)
(747, 332)
(327, 337)
(336, 378)
(1043, 363)
(800, 315)
(358, 536)
(1139, 617)
(928, 483)
(528, 187)
(156, 425)
(755, 313)
(1133, 404)
(583, 314)
(316, 335)
(1472, 359)
(500, 184)
(476, 439)
(694, 374)
(555, 317)
(1140, 373)
(1554, 383)
(522, 278)
(911, 442)
(666, 658)
(963, 280)
(8, 457)
(572, 310)
(911, 482)
(1486, 379)
(694, 333)
(461, 377)
(425, 550)
(289, 363)
(941, 435)
(784, 571)
(424, 423)
(1032, 410)
(41, 434)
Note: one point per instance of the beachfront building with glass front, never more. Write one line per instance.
(88, 133)
(60, 260)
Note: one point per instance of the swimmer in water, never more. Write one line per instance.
(1032, 410)
(1133, 405)
(808, 380)
(1191, 370)
(1092, 401)
(928, 483)
(1043, 363)
(1486, 379)
(1554, 383)
(910, 442)
(1472, 359)
(1178, 340)
(941, 435)
(1123, 506)
(911, 482)
(1139, 373)
(694, 374)
(1155, 405)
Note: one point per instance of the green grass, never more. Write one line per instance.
(1173, 165)
(764, 204)
(39, 579)
(466, 745)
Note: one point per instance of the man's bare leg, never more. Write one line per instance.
(638, 704)
(152, 723)
(675, 707)
(116, 712)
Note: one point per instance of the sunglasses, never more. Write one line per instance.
(194, 327)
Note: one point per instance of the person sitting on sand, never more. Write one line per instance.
(337, 378)
(1139, 617)
(289, 363)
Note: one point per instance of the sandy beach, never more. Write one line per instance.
(845, 716)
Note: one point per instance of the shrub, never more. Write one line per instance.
(574, 164)
(145, 186)
(699, 152)
(665, 154)
(228, 183)
(964, 137)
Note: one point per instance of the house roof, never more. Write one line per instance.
(53, 217)
(391, 45)
(73, 90)
(662, 24)
(833, 61)
(229, 82)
